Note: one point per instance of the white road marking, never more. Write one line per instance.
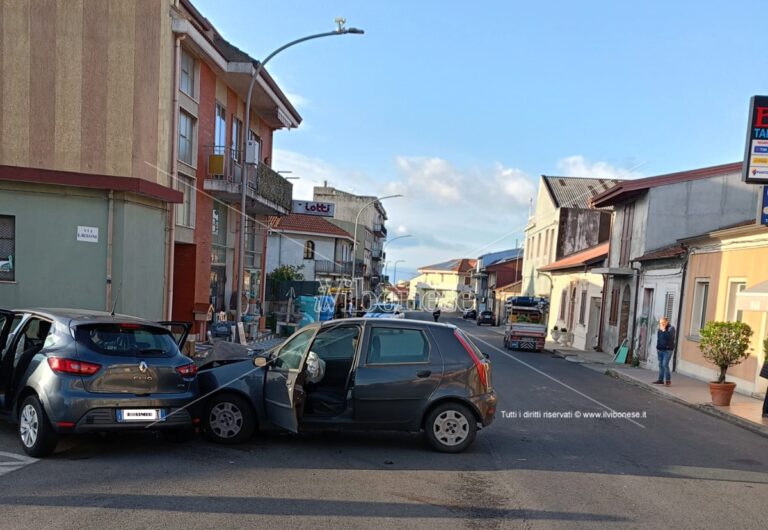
(10, 462)
(569, 387)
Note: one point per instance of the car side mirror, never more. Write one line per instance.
(259, 362)
(486, 355)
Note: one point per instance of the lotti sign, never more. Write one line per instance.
(323, 209)
(89, 234)
(755, 169)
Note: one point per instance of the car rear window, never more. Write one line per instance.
(397, 346)
(127, 340)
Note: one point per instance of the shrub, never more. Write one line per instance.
(725, 344)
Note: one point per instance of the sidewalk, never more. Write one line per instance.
(744, 410)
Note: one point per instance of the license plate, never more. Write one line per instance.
(128, 415)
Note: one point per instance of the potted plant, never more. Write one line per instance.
(555, 333)
(724, 344)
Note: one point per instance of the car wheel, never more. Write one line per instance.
(451, 428)
(229, 419)
(37, 436)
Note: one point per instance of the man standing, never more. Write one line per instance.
(665, 345)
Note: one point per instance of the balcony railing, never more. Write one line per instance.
(379, 229)
(377, 254)
(360, 268)
(342, 268)
(269, 192)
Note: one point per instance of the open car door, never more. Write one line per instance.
(283, 390)
(180, 331)
(6, 359)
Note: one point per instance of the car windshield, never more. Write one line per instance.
(129, 339)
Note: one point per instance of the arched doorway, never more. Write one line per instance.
(626, 295)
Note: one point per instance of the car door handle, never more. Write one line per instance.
(423, 373)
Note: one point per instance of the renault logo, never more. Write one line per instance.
(142, 367)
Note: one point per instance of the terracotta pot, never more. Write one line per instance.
(721, 393)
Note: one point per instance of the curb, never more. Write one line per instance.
(706, 408)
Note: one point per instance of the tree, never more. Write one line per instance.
(285, 273)
(725, 344)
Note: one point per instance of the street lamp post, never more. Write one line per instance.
(394, 275)
(354, 239)
(341, 30)
(387, 262)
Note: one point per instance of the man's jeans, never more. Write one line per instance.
(664, 372)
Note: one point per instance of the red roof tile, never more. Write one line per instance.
(308, 224)
(580, 259)
(672, 251)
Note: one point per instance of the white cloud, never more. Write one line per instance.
(578, 166)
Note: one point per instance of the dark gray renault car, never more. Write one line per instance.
(357, 374)
(65, 370)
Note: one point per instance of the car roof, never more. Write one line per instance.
(81, 316)
(387, 322)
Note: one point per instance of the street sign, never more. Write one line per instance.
(755, 167)
(321, 209)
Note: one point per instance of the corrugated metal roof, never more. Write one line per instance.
(576, 192)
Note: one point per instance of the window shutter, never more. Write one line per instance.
(669, 303)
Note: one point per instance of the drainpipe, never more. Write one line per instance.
(174, 176)
(603, 309)
(633, 320)
(680, 310)
(110, 228)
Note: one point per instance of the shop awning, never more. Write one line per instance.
(753, 299)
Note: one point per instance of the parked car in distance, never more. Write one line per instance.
(469, 314)
(356, 374)
(385, 311)
(71, 371)
(486, 317)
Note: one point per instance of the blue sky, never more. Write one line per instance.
(461, 107)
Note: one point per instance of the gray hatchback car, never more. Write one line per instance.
(66, 370)
(356, 374)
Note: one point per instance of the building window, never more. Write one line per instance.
(185, 212)
(627, 224)
(563, 298)
(187, 74)
(467, 280)
(699, 314)
(220, 130)
(583, 307)
(186, 138)
(237, 140)
(669, 304)
(613, 316)
(253, 137)
(309, 250)
(734, 288)
(538, 245)
(7, 248)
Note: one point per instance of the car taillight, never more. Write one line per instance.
(188, 370)
(71, 366)
(482, 368)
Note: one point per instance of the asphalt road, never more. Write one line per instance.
(673, 468)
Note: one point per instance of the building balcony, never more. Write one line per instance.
(379, 230)
(377, 254)
(360, 268)
(333, 268)
(267, 192)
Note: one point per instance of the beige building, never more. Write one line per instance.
(724, 267)
(444, 285)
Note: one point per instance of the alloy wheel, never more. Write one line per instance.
(451, 428)
(226, 420)
(28, 425)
